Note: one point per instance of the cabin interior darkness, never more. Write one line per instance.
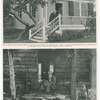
(46, 57)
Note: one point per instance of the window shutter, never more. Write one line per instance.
(71, 8)
(90, 9)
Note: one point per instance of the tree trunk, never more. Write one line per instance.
(25, 32)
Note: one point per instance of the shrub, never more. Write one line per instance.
(66, 35)
(91, 26)
(53, 37)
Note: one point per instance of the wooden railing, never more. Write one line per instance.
(52, 26)
(37, 29)
(73, 20)
(55, 24)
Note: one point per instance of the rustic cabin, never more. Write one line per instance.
(74, 69)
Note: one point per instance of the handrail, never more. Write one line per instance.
(40, 21)
(54, 25)
(52, 20)
(39, 28)
(79, 16)
(36, 31)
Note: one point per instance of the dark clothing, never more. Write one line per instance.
(53, 82)
(53, 16)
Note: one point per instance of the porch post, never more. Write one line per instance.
(46, 12)
(39, 72)
(93, 76)
(44, 35)
(60, 23)
(12, 75)
(73, 77)
(29, 34)
(80, 7)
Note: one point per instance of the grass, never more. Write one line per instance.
(10, 36)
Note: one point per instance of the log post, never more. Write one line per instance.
(93, 76)
(12, 75)
(73, 76)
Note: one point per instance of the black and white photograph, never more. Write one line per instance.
(49, 74)
(49, 21)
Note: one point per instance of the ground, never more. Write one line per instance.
(11, 37)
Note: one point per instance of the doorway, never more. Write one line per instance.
(45, 58)
(58, 8)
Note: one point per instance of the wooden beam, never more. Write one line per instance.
(73, 76)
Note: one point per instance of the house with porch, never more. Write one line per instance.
(75, 69)
(71, 15)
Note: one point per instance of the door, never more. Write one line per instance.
(58, 8)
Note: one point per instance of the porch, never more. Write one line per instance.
(71, 67)
(41, 31)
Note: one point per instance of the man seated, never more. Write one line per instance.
(49, 86)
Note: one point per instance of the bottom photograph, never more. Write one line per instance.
(49, 74)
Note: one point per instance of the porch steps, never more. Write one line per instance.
(38, 37)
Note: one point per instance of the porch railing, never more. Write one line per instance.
(73, 20)
(53, 25)
(38, 29)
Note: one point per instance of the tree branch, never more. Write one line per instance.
(18, 18)
(30, 16)
(31, 26)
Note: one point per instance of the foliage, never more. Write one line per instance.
(13, 7)
(66, 35)
(91, 25)
(53, 37)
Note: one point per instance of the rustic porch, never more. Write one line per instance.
(67, 67)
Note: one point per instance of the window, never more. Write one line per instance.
(71, 8)
(20, 13)
(33, 12)
(90, 9)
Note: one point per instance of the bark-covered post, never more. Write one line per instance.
(12, 75)
(73, 76)
(93, 76)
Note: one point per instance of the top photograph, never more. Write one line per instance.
(49, 21)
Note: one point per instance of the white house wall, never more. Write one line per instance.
(65, 9)
(41, 12)
(50, 9)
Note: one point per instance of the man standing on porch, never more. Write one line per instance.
(53, 83)
(53, 16)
